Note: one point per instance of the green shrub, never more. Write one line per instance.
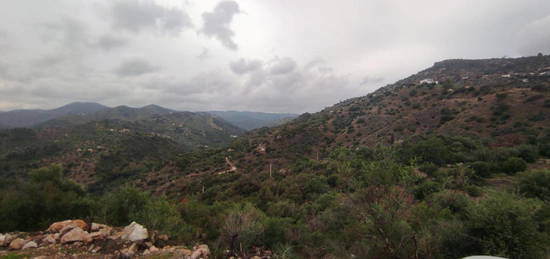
(482, 169)
(243, 226)
(47, 197)
(504, 225)
(513, 165)
(535, 184)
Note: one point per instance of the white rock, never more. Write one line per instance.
(76, 235)
(97, 227)
(49, 239)
(30, 244)
(134, 232)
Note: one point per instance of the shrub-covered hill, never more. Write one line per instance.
(347, 182)
(504, 102)
(112, 146)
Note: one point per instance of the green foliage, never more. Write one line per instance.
(535, 184)
(47, 197)
(504, 225)
(513, 165)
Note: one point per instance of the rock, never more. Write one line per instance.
(58, 226)
(49, 239)
(153, 249)
(30, 244)
(102, 233)
(201, 251)
(17, 244)
(6, 239)
(134, 232)
(130, 251)
(97, 227)
(76, 235)
(67, 229)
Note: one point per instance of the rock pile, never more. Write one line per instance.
(96, 241)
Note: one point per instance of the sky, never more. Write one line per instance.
(254, 55)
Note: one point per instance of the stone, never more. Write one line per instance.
(29, 245)
(17, 244)
(76, 235)
(153, 249)
(97, 227)
(2, 239)
(134, 232)
(67, 229)
(130, 251)
(58, 226)
(49, 239)
(201, 251)
(6, 239)
(102, 233)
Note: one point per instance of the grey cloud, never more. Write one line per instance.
(68, 32)
(243, 66)
(135, 67)
(136, 16)
(109, 42)
(282, 66)
(216, 23)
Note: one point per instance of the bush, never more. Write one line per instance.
(535, 184)
(513, 165)
(529, 153)
(47, 197)
(243, 226)
(504, 225)
(481, 168)
(425, 189)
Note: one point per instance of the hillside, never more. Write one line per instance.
(29, 118)
(112, 146)
(254, 120)
(461, 147)
(504, 102)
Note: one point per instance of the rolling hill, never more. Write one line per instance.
(29, 118)
(253, 120)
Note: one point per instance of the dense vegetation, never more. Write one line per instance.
(435, 197)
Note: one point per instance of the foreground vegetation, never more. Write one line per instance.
(437, 197)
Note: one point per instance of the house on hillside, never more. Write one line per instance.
(428, 81)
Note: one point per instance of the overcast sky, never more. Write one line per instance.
(258, 55)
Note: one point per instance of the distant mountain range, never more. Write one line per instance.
(254, 120)
(29, 118)
(82, 112)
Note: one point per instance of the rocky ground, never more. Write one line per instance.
(77, 239)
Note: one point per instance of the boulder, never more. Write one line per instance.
(201, 251)
(134, 232)
(130, 251)
(97, 227)
(30, 244)
(17, 244)
(76, 235)
(49, 239)
(6, 239)
(58, 226)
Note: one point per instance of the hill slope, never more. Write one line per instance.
(505, 102)
(254, 120)
(29, 118)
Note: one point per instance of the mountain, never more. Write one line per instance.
(29, 118)
(503, 102)
(393, 174)
(254, 120)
